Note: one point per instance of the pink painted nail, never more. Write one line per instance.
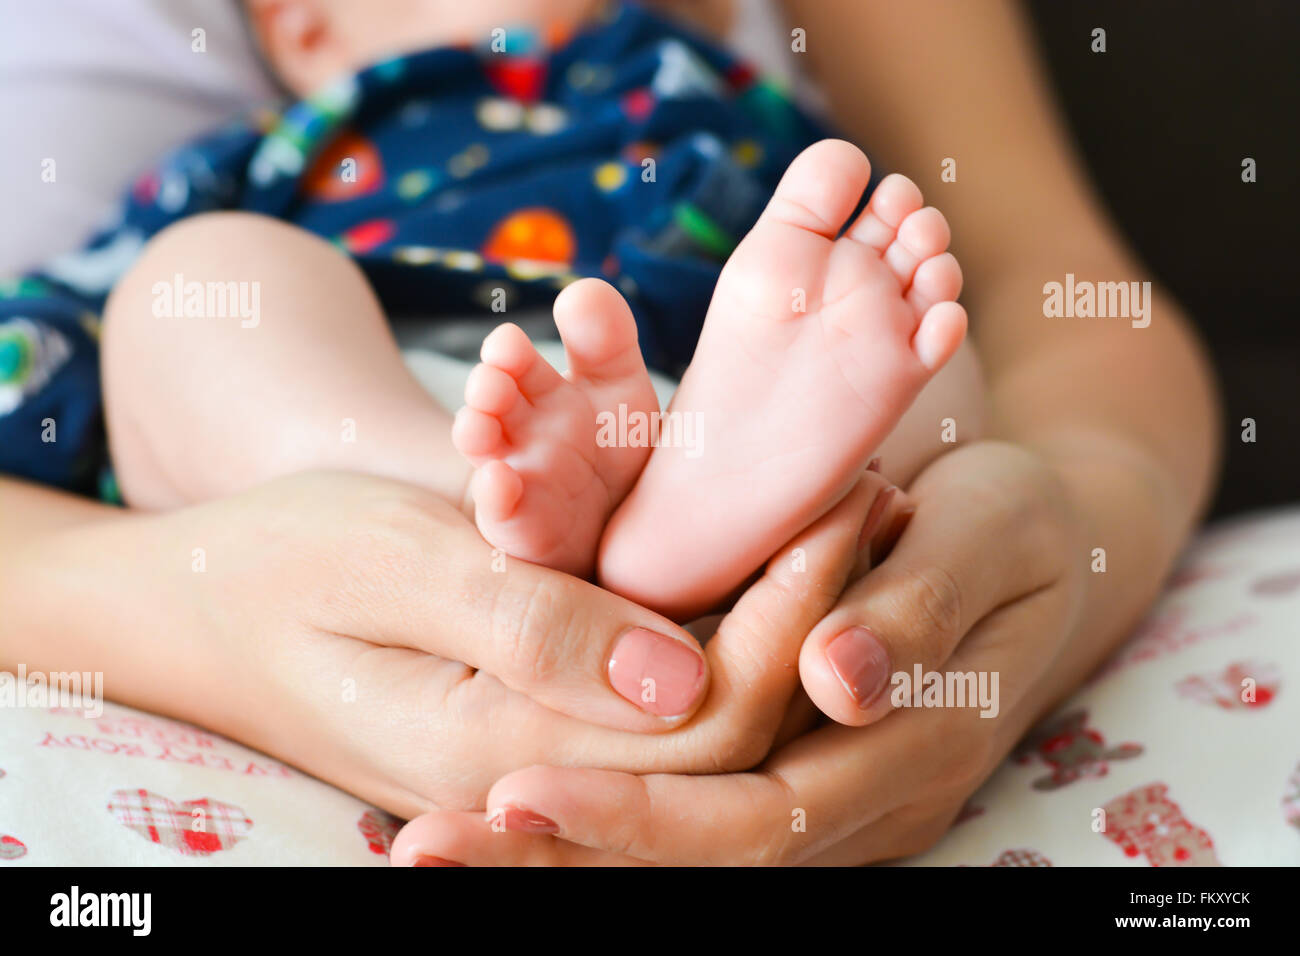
(660, 675)
(878, 508)
(861, 663)
(522, 820)
(434, 861)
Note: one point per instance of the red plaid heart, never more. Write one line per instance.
(379, 828)
(11, 848)
(1146, 822)
(1021, 858)
(194, 827)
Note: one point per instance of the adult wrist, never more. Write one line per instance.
(1131, 526)
(84, 598)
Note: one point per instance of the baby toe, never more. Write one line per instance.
(491, 390)
(509, 349)
(921, 235)
(598, 331)
(896, 198)
(476, 434)
(939, 335)
(497, 489)
(820, 188)
(937, 279)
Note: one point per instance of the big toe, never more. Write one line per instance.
(821, 188)
(598, 331)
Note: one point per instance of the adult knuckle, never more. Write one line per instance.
(743, 750)
(772, 847)
(408, 521)
(528, 626)
(1030, 511)
(775, 845)
(391, 530)
(383, 541)
(629, 837)
(633, 832)
(753, 654)
(934, 602)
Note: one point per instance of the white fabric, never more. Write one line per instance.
(68, 784)
(103, 88)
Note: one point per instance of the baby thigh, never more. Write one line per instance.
(239, 348)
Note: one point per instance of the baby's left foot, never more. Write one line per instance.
(544, 485)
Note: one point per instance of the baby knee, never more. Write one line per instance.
(181, 253)
(210, 266)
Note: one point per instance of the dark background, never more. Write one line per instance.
(1185, 91)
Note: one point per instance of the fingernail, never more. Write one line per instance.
(861, 663)
(434, 861)
(658, 674)
(874, 464)
(877, 512)
(522, 820)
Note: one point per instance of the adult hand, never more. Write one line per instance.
(987, 579)
(355, 627)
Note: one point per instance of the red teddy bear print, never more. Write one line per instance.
(1145, 821)
(1073, 751)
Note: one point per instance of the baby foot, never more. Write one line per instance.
(812, 349)
(543, 485)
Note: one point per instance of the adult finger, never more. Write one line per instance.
(418, 575)
(985, 532)
(753, 658)
(835, 784)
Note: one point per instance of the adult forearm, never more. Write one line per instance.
(73, 591)
(1128, 418)
(1095, 390)
(1145, 385)
(38, 587)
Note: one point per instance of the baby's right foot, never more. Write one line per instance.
(814, 346)
(544, 484)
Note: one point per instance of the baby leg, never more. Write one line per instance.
(295, 368)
